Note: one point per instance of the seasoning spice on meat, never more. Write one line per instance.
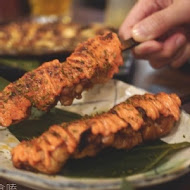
(139, 119)
(54, 81)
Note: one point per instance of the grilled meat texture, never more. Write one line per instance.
(140, 118)
(94, 61)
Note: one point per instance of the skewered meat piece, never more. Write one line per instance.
(94, 61)
(139, 119)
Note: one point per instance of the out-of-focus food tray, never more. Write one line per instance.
(26, 44)
(41, 36)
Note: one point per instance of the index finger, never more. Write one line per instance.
(141, 9)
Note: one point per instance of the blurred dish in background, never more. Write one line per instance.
(39, 36)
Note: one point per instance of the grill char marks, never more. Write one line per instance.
(126, 125)
(94, 61)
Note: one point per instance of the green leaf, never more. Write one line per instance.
(3, 83)
(39, 122)
(24, 64)
(120, 163)
(110, 162)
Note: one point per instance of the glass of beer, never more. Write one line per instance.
(116, 11)
(50, 7)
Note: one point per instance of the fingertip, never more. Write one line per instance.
(180, 40)
(153, 26)
(136, 34)
(140, 33)
(148, 47)
(173, 44)
(181, 60)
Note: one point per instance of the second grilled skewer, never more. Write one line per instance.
(141, 118)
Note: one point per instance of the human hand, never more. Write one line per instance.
(163, 27)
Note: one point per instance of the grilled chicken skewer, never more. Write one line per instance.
(94, 61)
(141, 118)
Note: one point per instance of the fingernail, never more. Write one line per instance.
(180, 41)
(140, 33)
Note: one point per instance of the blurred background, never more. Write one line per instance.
(108, 13)
(111, 12)
(16, 9)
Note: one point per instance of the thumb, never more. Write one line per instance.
(159, 22)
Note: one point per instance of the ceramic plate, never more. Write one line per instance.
(100, 98)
